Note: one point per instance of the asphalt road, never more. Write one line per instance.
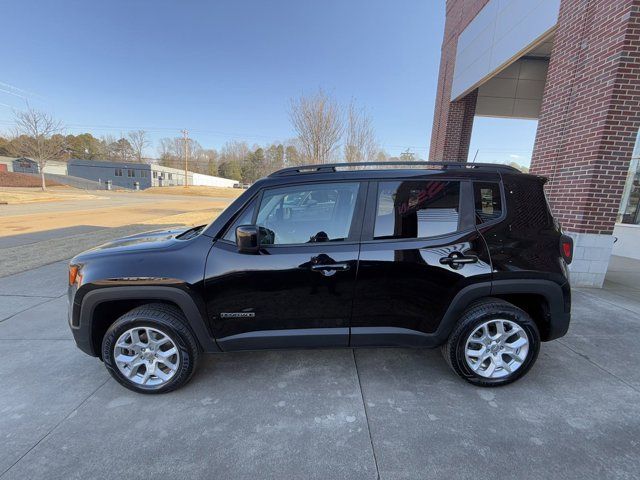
(326, 414)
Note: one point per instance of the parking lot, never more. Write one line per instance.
(371, 413)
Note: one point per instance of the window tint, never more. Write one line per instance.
(488, 201)
(245, 218)
(307, 213)
(417, 209)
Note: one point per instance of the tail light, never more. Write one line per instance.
(566, 248)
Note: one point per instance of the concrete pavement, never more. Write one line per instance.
(371, 413)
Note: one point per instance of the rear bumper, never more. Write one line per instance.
(558, 325)
(560, 314)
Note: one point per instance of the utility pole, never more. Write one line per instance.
(185, 135)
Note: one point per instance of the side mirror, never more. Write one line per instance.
(248, 239)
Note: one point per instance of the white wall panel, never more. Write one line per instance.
(515, 92)
(524, 108)
(210, 181)
(502, 31)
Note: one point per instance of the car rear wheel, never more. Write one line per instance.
(150, 349)
(493, 344)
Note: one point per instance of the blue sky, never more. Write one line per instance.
(226, 69)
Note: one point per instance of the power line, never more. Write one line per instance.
(185, 135)
(22, 91)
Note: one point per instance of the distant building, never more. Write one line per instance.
(6, 164)
(25, 165)
(143, 175)
(56, 167)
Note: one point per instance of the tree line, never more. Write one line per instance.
(325, 131)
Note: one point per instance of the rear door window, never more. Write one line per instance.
(417, 209)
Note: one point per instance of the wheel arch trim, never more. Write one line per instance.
(182, 299)
(550, 290)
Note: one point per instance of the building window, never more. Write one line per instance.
(131, 173)
(171, 176)
(118, 172)
(155, 174)
(417, 209)
(630, 204)
(144, 173)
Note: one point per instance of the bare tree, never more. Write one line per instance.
(317, 120)
(107, 142)
(360, 142)
(171, 151)
(138, 140)
(36, 136)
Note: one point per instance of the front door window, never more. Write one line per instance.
(307, 214)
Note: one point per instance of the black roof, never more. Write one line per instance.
(336, 167)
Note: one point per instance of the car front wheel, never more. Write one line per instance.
(493, 344)
(150, 349)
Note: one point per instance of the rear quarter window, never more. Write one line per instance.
(488, 201)
(528, 210)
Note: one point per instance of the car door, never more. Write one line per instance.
(420, 248)
(298, 290)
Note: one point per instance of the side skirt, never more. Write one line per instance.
(327, 338)
(281, 339)
(391, 337)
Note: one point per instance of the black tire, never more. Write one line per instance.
(488, 309)
(168, 320)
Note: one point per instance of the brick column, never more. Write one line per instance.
(453, 121)
(458, 130)
(588, 124)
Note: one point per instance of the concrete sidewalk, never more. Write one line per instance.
(371, 413)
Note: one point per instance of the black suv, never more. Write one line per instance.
(463, 256)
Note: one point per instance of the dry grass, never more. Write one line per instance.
(17, 195)
(187, 219)
(13, 179)
(103, 212)
(219, 192)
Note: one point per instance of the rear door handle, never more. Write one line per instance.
(333, 266)
(330, 269)
(456, 259)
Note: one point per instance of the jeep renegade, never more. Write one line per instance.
(466, 257)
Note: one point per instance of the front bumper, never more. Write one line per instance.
(81, 332)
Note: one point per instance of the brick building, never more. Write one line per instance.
(575, 66)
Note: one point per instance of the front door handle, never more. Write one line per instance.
(458, 260)
(330, 269)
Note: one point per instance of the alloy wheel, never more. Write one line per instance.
(146, 356)
(496, 348)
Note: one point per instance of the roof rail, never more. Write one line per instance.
(333, 167)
